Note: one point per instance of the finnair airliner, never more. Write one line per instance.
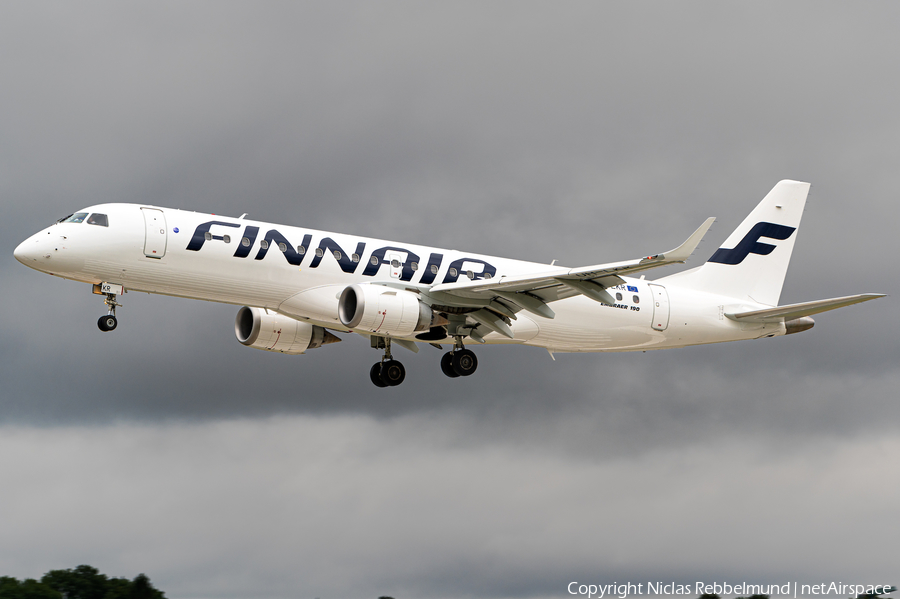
(298, 286)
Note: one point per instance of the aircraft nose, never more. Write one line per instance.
(21, 252)
(29, 251)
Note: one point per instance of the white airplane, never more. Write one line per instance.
(297, 285)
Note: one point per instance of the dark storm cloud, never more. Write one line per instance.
(584, 133)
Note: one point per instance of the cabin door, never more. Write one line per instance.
(154, 233)
(660, 307)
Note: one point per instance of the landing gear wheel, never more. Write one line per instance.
(464, 362)
(447, 366)
(375, 375)
(392, 373)
(107, 323)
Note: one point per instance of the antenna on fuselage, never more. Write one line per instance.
(242, 216)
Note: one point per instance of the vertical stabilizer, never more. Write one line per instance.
(753, 261)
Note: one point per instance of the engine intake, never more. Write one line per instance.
(385, 311)
(262, 329)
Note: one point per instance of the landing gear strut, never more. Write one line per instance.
(389, 372)
(109, 322)
(459, 361)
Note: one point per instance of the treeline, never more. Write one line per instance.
(83, 582)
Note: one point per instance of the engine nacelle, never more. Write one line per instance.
(383, 310)
(262, 329)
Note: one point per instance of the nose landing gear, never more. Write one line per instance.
(109, 322)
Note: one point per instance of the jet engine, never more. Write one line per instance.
(262, 329)
(385, 311)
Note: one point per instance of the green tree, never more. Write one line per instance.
(118, 588)
(84, 582)
(142, 589)
(10, 588)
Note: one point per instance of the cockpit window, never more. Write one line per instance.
(74, 218)
(98, 219)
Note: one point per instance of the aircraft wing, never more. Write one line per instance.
(531, 292)
(793, 311)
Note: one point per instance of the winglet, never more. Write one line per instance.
(684, 251)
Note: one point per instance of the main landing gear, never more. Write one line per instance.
(459, 361)
(389, 372)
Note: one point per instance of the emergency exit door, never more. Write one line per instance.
(154, 233)
(660, 307)
(396, 264)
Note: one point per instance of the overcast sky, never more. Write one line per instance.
(583, 132)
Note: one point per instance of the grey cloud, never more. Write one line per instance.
(411, 514)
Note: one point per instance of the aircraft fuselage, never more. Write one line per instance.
(301, 272)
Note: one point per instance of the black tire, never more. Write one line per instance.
(107, 323)
(447, 366)
(375, 375)
(392, 373)
(464, 362)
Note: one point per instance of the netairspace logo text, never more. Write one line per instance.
(790, 589)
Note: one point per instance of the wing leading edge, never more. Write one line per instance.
(532, 292)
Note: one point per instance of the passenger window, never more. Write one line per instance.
(78, 217)
(98, 219)
(618, 297)
(636, 299)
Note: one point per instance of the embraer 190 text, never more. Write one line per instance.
(297, 285)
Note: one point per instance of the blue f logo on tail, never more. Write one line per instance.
(750, 244)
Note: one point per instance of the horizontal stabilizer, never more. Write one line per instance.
(798, 310)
